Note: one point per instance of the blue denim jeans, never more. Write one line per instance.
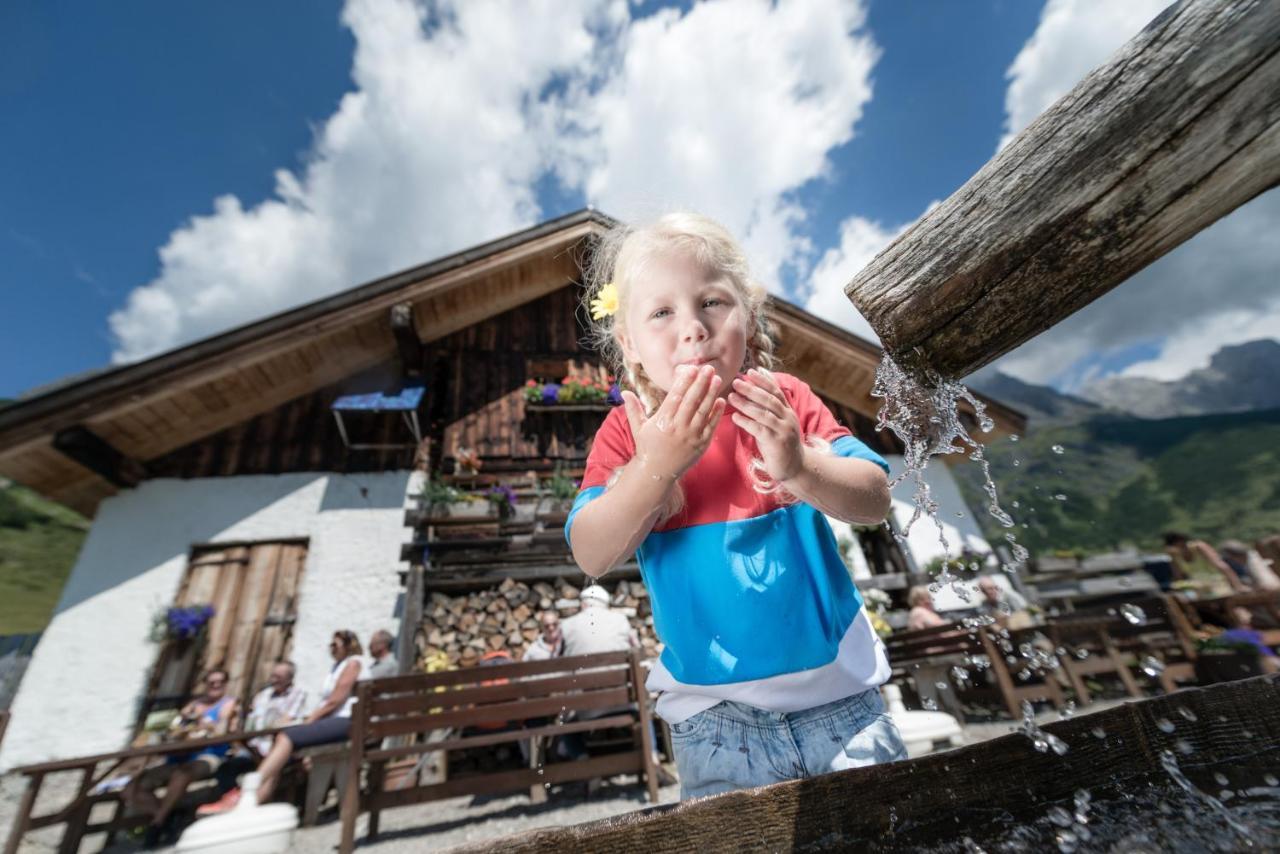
(735, 746)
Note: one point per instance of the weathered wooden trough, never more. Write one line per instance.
(982, 792)
(1178, 129)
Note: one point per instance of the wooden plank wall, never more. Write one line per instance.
(475, 380)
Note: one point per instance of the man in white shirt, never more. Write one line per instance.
(281, 703)
(596, 628)
(593, 629)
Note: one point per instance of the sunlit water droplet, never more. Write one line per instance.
(1060, 817)
(1133, 614)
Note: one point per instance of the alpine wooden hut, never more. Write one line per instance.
(275, 472)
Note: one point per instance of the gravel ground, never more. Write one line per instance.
(444, 824)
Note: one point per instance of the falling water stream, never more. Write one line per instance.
(924, 412)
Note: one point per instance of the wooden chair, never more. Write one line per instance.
(1165, 634)
(934, 651)
(1091, 635)
(602, 691)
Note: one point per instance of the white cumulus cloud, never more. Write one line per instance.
(1072, 38)
(1216, 289)
(459, 109)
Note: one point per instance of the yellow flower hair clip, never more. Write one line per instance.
(605, 303)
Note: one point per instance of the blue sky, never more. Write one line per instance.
(126, 122)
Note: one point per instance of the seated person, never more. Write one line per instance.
(384, 663)
(1196, 561)
(329, 722)
(1249, 565)
(550, 641)
(208, 714)
(1242, 631)
(1006, 605)
(279, 704)
(922, 615)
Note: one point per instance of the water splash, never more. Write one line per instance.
(924, 413)
(1170, 765)
(1042, 741)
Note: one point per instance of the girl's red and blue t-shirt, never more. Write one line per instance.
(750, 596)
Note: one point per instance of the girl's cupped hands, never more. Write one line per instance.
(763, 411)
(671, 440)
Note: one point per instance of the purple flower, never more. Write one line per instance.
(186, 623)
(549, 392)
(501, 491)
(615, 395)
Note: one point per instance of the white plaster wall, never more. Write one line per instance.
(80, 694)
(959, 526)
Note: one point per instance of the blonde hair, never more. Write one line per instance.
(620, 257)
(918, 595)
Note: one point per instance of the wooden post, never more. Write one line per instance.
(646, 733)
(1178, 129)
(410, 619)
(22, 819)
(407, 343)
(351, 789)
(78, 814)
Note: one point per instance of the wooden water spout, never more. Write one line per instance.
(1178, 129)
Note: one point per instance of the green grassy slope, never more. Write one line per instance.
(39, 541)
(1125, 480)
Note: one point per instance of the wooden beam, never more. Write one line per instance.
(1178, 129)
(90, 450)
(205, 360)
(406, 334)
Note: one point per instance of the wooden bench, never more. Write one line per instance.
(77, 813)
(932, 652)
(576, 695)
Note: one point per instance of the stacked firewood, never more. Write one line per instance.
(465, 627)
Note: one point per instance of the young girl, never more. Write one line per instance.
(718, 471)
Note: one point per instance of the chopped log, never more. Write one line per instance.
(485, 620)
(1178, 129)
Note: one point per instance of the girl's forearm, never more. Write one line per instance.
(851, 490)
(609, 529)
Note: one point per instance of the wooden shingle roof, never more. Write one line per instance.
(137, 412)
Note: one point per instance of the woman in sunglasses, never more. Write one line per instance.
(330, 721)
